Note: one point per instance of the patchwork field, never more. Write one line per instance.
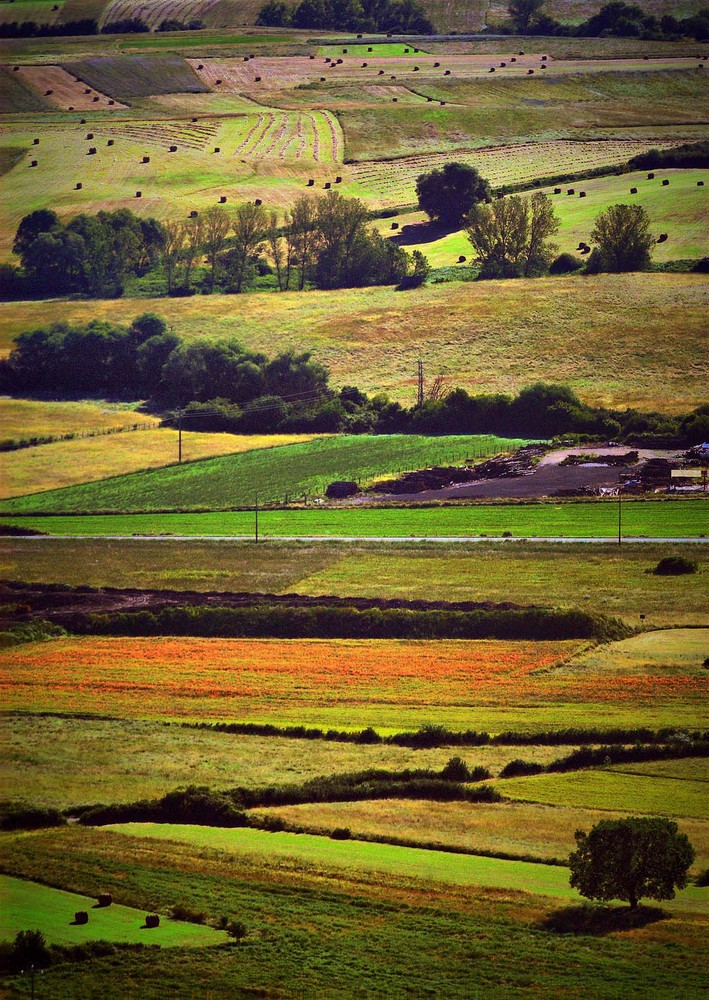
(391, 685)
(64, 90)
(304, 468)
(52, 911)
(606, 579)
(66, 463)
(489, 336)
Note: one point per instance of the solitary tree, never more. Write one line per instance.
(250, 225)
(624, 239)
(631, 858)
(449, 194)
(511, 236)
(216, 223)
(522, 12)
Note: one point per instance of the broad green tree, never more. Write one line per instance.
(622, 233)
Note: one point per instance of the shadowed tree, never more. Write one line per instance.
(522, 12)
(511, 236)
(249, 226)
(447, 195)
(216, 223)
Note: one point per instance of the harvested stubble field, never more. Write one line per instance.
(52, 911)
(64, 90)
(86, 459)
(605, 579)
(17, 98)
(62, 762)
(607, 334)
(21, 419)
(392, 685)
(303, 467)
(136, 76)
(355, 900)
(516, 828)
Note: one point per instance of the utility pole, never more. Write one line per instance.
(419, 396)
(620, 492)
(256, 520)
(179, 436)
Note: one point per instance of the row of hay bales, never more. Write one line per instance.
(106, 899)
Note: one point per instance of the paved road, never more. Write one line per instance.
(608, 539)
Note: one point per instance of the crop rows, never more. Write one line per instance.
(153, 13)
(395, 181)
(64, 90)
(287, 135)
(163, 133)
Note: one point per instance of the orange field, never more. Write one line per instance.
(384, 683)
(64, 91)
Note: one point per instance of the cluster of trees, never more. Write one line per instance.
(221, 386)
(326, 242)
(400, 16)
(618, 19)
(92, 254)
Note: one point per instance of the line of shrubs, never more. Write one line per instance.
(431, 736)
(269, 621)
(587, 756)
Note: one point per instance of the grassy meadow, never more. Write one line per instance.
(607, 579)
(67, 463)
(23, 419)
(391, 685)
(583, 519)
(296, 470)
(607, 334)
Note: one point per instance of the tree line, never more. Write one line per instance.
(381, 16)
(617, 19)
(89, 26)
(219, 385)
(324, 242)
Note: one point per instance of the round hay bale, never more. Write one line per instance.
(110, 142)
(193, 214)
(89, 135)
(15, 69)
(146, 159)
(87, 90)
(502, 65)
(258, 201)
(491, 70)
(392, 78)
(338, 180)
(364, 65)
(544, 58)
(322, 79)
(447, 73)
(139, 194)
(345, 51)
(461, 259)
(633, 190)
(416, 69)
(95, 100)
(35, 142)
(370, 49)
(651, 177)
(442, 103)
(152, 920)
(201, 66)
(530, 72)
(582, 194)
(663, 237)
(312, 57)
(406, 51)
(48, 92)
(380, 73)
(111, 102)
(257, 79)
(71, 107)
(81, 917)
(310, 183)
(194, 120)
(700, 184)
(217, 82)
(395, 225)
(92, 151)
(340, 61)
(327, 185)
(246, 58)
(79, 186)
(665, 183)
(105, 899)
(520, 53)
(436, 65)
(222, 200)
(82, 121)
(394, 100)
(217, 149)
(429, 99)
(173, 149)
(557, 190)
(513, 59)
(328, 59)
(571, 191)
(543, 66)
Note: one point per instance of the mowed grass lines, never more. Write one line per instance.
(138, 76)
(682, 519)
(394, 182)
(28, 904)
(294, 471)
(514, 828)
(22, 419)
(491, 336)
(59, 762)
(66, 463)
(392, 685)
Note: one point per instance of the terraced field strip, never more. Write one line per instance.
(39, 11)
(394, 182)
(295, 471)
(514, 828)
(153, 13)
(52, 912)
(138, 76)
(435, 866)
(391, 685)
(65, 91)
(87, 459)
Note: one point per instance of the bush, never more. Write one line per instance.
(341, 833)
(19, 817)
(518, 768)
(675, 566)
(456, 770)
(181, 912)
(30, 948)
(565, 263)
(236, 929)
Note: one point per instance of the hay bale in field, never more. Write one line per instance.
(95, 99)
(201, 66)
(33, 163)
(395, 225)
(194, 213)
(81, 917)
(461, 259)
(585, 250)
(571, 191)
(222, 200)
(370, 49)
(338, 180)
(520, 53)
(146, 159)
(394, 100)
(257, 79)
(502, 65)
(340, 61)
(194, 120)
(89, 135)
(328, 59)
(582, 194)
(380, 73)
(15, 69)
(513, 59)
(665, 182)
(392, 78)
(79, 186)
(310, 183)
(217, 149)
(312, 57)
(345, 51)
(700, 184)
(651, 177)
(662, 238)
(111, 102)
(217, 83)
(442, 104)
(447, 73)
(645, 58)
(543, 67)
(544, 58)
(492, 69)
(92, 151)
(557, 190)
(48, 92)
(327, 185)
(139, 194)
(105, 899)
(71, 107)
(87, 90)
(82, 121)
(258, 201)
(173, 149)
(633, 190)
(35, 142)
(530, 72)
(436, 65)
(246, 58)
(429, 99)
(152, 920)
(364, 65)
(406, 51)
(416, 69)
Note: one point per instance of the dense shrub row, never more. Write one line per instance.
(400, 16)
(616, 19)
(19, 816)
(587, 756)
(267, 621)
(31, 29)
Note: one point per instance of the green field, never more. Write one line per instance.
(28, 904)
(491, 336)
(679, 210)
(664, 796)
(656, 519)
(606, 579)
(295, 470)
